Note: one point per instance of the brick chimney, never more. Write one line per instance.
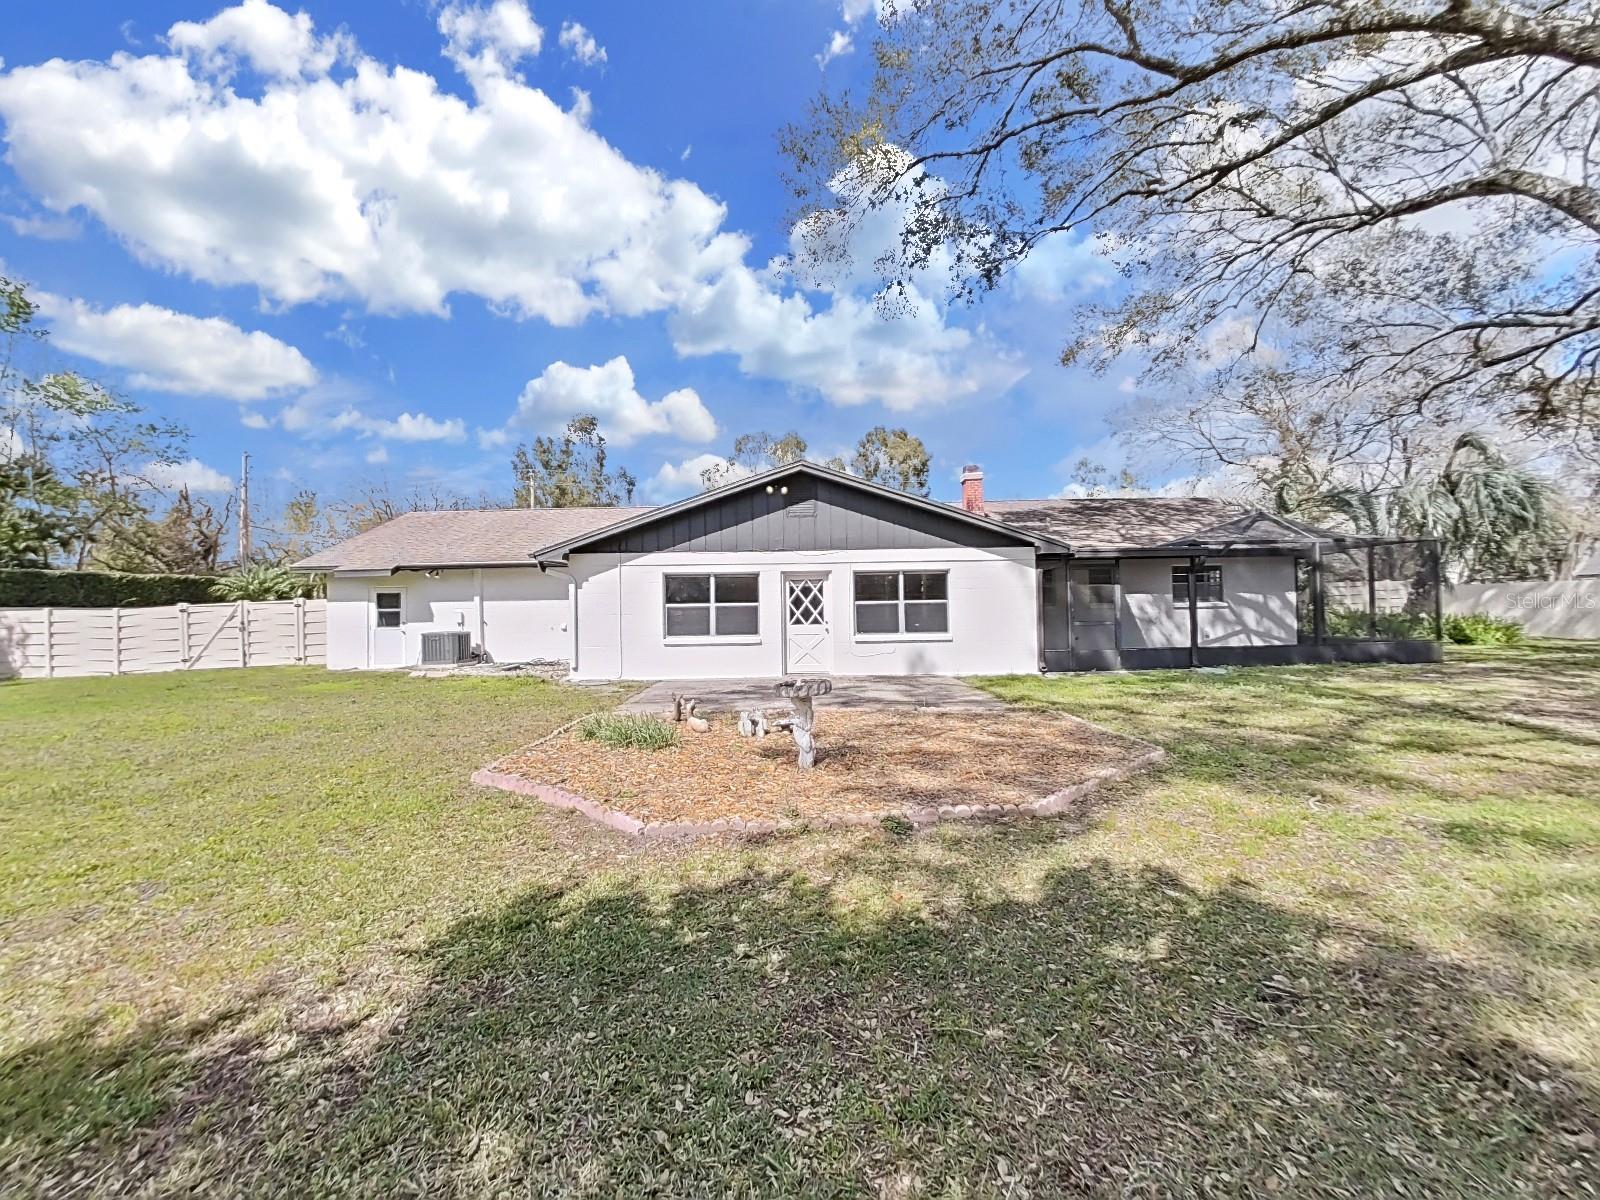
(972, 488)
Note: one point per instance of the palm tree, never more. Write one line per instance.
(1492, 518)
(262, 582)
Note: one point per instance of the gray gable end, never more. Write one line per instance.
(816, 514)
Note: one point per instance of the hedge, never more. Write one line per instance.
(24, 588)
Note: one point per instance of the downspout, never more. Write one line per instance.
(477, 577)
(1038, 608)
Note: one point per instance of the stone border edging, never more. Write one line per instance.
(613, 818)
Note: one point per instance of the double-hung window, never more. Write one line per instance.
(1208, 585)
(712, 605)
(902, 602)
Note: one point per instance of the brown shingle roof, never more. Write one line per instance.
(510, 536)
(1106, 522)
(462, 537)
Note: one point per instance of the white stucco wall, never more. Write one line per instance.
(993, 621)
(1258, 607)
(525, 613)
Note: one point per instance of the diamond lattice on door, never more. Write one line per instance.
(805, 602)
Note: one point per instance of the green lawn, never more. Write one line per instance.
(261, 936)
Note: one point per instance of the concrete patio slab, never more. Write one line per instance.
(849, 692)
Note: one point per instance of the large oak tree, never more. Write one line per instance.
(1392, 202)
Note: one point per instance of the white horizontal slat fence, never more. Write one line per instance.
(43, 643)
(1557, 608)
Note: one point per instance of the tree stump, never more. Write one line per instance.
(800, 693)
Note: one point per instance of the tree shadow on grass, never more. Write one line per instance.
(1114, 1033)
(1334, 733)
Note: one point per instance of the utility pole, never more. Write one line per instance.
(244, 510)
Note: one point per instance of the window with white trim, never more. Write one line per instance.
(902, 602)
(1208, 587)
(712, 605)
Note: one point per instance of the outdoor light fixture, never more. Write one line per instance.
(769, 489)
(432, 574)
(784, 490)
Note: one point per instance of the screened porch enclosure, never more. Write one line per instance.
(1227, 604)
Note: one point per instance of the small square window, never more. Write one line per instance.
(737, 589)
(877, 618)
(927, 585)
(688, 589)
(692, 621)
(737, 619)
(878, 587)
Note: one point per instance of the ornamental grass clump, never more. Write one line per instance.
(626, 731)
(1480, 629)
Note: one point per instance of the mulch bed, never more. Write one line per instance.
(869, 763)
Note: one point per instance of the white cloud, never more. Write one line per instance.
(849, 351)
(1063, 265)
(608, 392)
(261, 34)
(855, 11)
(489, 40)
(408, 427)
(378, 454)
(251, 419)
(46, 229)
(579, 42)
(839, 44)
(852, 13)
(1225, 341)
(192, 474)
(371, 184)
(169, 351)
(331, 411)
(1128, 386)
(674, 481)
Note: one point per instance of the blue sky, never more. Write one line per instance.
(386, 241)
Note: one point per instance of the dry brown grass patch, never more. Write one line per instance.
(867, 762)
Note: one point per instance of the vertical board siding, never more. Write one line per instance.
(840, 518)
(38, 643)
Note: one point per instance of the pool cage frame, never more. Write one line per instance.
(1371, 626)
(1411, 628)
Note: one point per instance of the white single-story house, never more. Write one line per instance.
(806, 570)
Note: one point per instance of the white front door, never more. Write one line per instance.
(808, 640)
(388, 627)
